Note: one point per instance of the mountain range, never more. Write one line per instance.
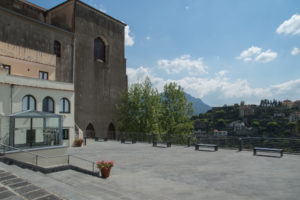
(198, 105)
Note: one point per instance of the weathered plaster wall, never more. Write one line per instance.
(32, 34)
(27, 62)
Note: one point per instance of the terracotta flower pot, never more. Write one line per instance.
(105, 172)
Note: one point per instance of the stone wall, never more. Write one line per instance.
(98, 84)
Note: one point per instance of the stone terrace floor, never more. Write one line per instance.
(143, 172)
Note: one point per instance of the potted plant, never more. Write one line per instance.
(105, 167)
(78, 142)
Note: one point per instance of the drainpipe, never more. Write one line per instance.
(74, 60)
(11, 97)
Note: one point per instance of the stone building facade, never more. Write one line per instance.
(89, 49)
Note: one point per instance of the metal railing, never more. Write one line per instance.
(289, 145)
(38, 157)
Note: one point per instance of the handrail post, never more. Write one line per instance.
(93, 166)
(240, 144)
(36, 160)
(68, 159)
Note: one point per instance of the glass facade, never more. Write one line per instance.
(32, 129)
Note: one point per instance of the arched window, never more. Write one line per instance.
(48, 105)
(64, 105)
(57, 48)
(99, 49)
(28, 103)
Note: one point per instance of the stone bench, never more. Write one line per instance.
(97, 139)
(255, 149)
(206, 145)
(156, 144)
(123, 141)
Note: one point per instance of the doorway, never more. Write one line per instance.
(90, 131)
(111, 132)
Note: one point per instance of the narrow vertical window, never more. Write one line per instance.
(48, 105)
(28, 103)
(99, 49)
(57, 48)
(65, 134)
(64, 105)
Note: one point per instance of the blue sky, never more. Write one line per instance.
(220, 51)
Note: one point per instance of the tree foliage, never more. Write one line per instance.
(298, 127)
(143, 110)
(176, 112)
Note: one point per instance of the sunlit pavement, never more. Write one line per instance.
(145, 172)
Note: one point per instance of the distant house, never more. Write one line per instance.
(287, 103)
(240, 128)
(246, 110)
(294, 117)
(237, 125)
(220, 133)
(278, 115)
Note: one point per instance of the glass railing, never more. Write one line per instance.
(35, 159)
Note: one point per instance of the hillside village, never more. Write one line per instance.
(271, 118)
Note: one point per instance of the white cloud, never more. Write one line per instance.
(222, 72)
(257, 55)
(137, 75)
(177, 65)
(129, 40)
(295, 51)
(148, 38)
(187, 7)
(247, 55)
(289, 86)
(220, 89)
(290, 26)
(266, 56)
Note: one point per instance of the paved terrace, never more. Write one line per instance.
(142, 172)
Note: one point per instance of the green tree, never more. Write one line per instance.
(176, 112)
(220, 124)
(298, 127)
(272, 127)
(291, 126)
(139, 110)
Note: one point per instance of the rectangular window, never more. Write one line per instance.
(65, 134)
(43, 75)
(7, 67)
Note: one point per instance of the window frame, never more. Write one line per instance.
(28, 97)
(43, 73)
(8, 67)
(48, 98)
(63, 101)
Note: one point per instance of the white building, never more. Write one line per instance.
(49, 103)
(220, 133)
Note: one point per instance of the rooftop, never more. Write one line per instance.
(144, 172)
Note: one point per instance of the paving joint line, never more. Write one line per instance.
(12, 186)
